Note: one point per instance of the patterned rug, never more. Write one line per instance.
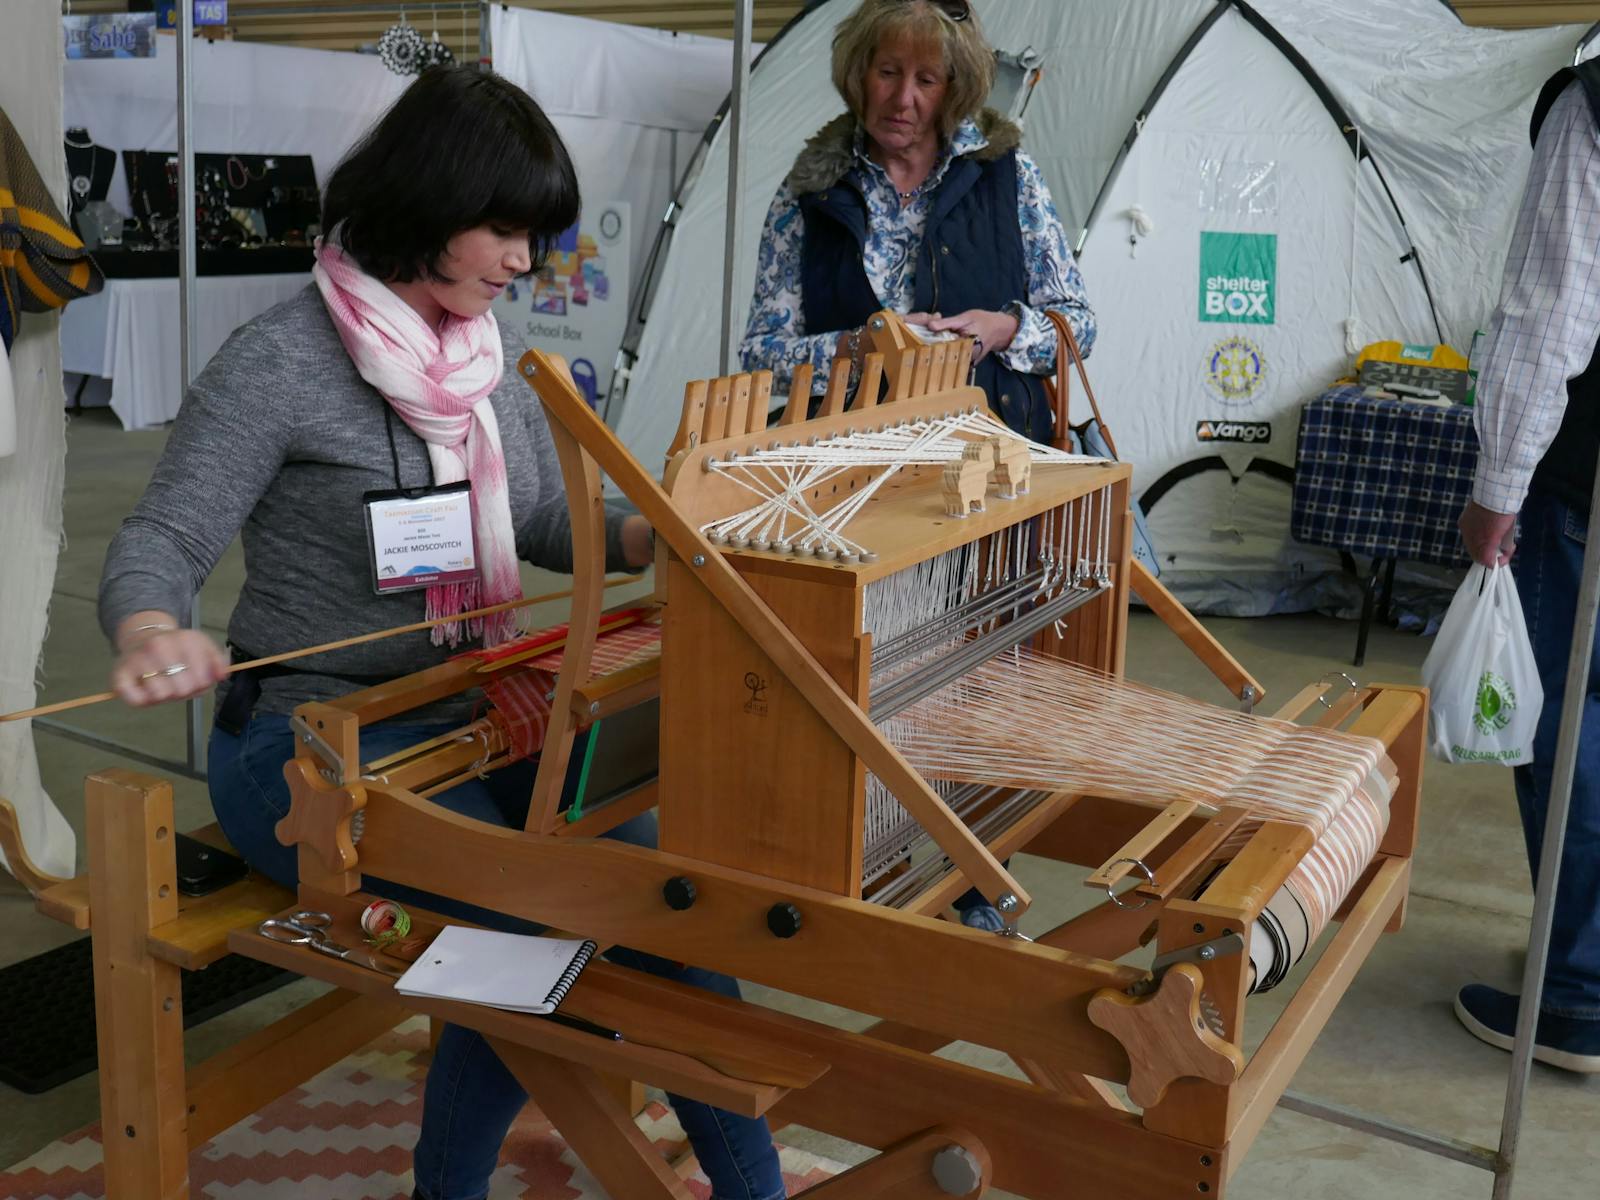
(348, 1135)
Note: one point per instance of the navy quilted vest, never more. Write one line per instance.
(971, 257)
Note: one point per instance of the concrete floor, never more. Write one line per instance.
(1392, 1049)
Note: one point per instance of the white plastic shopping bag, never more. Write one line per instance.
(1486, 694)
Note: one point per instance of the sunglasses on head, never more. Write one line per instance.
(956, 10)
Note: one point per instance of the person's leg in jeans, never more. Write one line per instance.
(470, 1099)
(1548, 564)
(250, 796)
(1547, 580)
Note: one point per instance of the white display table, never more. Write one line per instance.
(129, 335)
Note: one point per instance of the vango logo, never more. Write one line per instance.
(1249, 432)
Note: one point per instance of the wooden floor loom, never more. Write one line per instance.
(819, 593)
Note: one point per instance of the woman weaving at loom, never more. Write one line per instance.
(389, 379)
(919, 200)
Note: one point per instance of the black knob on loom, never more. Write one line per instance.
(784, 920)
(678, 892)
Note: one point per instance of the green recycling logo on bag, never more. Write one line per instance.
(1496, 702)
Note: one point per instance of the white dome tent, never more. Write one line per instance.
(1339, 173)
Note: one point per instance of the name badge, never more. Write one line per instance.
(420, 537)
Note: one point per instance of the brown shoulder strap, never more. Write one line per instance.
(1067, 341)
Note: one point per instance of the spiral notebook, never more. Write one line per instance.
(502, 970)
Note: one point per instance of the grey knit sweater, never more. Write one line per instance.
(276, 442)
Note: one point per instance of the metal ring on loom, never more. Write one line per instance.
(1354, 686)
(477, 768)
(1111, 893)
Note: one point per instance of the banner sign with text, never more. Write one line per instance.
(576, 305)
(110, 35)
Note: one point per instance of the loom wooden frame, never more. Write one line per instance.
(928, 981)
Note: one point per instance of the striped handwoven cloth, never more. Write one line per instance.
(43, 264)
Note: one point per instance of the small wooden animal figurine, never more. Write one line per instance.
(1013, 466)
(966, 480)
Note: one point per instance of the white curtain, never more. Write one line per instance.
(31, 479)
(249, 98)
(630, 103)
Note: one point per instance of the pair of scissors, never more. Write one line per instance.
(308, 928)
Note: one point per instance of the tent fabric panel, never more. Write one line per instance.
(1238, 157)
(791, 96)
(579, 67)
(1444, 109)
(1080, 115)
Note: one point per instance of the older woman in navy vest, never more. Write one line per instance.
(922, 201)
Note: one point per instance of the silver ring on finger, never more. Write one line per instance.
(175, 669)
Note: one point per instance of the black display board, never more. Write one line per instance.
(240, 199)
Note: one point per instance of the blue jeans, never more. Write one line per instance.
(471, 1099)
(1548, 563)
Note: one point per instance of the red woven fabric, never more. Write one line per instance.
(523, 693)
(522, 698)
(613, 651)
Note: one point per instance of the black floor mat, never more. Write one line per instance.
(47, 1010)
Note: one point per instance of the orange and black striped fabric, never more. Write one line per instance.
(43, 264)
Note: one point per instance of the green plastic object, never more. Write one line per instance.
(576, 811)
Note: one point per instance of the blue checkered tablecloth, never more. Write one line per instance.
(1386, 478)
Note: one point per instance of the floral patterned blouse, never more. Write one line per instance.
(776, 337)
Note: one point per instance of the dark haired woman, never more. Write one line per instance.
(388, 373)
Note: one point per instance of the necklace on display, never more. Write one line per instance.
(87, 142)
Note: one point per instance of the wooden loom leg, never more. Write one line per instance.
(1046, 1075)
(138, 1000)
(1071, 1083)
(600, 1130)
(257, 1070)
(904, 1171)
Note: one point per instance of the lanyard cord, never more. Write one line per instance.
(394, 454)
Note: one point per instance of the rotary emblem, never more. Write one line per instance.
(1236, 369)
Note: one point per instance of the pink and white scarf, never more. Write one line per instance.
(439, 382)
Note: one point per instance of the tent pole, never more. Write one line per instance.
(742, 26)
(1574, 701)
(195, 707)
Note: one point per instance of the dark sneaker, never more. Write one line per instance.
(1490, 1015)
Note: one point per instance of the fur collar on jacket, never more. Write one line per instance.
(830, 152)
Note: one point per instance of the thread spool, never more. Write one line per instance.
(384, 921)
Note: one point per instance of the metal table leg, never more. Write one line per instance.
(1369, 600)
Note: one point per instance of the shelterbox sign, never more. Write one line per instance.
(1239, 278)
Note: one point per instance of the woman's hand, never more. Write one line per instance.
(992, 331)
(638, 546)
(158, 660)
